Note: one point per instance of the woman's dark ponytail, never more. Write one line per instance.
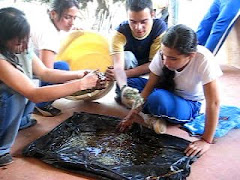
(166, 80)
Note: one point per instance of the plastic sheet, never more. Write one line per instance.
(89, 144)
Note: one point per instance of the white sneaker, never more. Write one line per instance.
(157, 124)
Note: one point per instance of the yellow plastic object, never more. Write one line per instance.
(86, 50)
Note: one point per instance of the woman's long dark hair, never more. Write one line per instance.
(184, 40)
(13, 24)
(59, 6)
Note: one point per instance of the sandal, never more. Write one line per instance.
(30, 123)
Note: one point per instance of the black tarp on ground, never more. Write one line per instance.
(88, 144)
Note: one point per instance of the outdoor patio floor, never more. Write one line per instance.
(221, 162)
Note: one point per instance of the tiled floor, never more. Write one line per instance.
(221, 162)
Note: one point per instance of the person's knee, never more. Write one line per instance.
(130, 60)
(162, 102)
(157, 103)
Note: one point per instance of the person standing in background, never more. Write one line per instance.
(217, 23)
(160, 8)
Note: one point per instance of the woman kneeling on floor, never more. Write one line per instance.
(183, 77)
(17, 90)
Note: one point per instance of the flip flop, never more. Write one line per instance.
(31, 123)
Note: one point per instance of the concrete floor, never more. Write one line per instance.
(221, 162)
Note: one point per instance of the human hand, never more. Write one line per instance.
(82, 73)
(197, 148)
(89, 81)
(124, 125)
(127, 122)
(101, 83)
(110, 73)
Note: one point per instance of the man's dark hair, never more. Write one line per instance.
(59, 6)
(138, 5)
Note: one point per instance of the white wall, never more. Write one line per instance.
(191, 12)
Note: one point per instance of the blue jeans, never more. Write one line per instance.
(62, 65)
(130, 60)
(14, 108)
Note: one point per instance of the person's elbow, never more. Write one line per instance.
(35, 99)
(34, 96)
(215, 102)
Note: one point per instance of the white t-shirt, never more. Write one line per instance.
(44, 35)
(201, 70)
